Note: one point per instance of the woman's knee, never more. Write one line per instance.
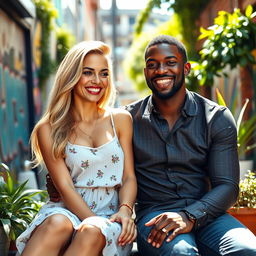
(90, 235)
(57, 224)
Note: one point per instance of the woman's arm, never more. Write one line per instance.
(128, 190)
(60, 175)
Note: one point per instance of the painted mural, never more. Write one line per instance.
(13, 95)
(36, 63)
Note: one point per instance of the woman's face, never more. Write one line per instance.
(94, 80)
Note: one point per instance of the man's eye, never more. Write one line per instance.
(171, 63)
(151, 65)
(87, 73)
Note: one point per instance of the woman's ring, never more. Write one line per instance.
(165, 231)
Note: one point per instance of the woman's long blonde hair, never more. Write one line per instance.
(59, 108)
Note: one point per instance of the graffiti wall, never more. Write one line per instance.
(13, 95)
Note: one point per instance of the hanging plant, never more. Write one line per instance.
(65, 40)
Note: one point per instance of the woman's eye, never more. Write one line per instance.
(87, 73)
(104, 74)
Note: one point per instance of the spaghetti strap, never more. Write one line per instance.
(113, 123)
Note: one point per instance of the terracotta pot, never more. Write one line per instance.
(246, 216)
(12, 249)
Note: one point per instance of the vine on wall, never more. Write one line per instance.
(45, 12)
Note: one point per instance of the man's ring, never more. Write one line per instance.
(165, 231)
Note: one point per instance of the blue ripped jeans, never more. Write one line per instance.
(224, 236)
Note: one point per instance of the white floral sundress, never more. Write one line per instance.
(97, 175)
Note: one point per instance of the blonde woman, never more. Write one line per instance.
(87, 149)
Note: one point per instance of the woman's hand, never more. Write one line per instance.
(129, 231)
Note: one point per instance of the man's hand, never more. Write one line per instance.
(52, 191)
(167, 226)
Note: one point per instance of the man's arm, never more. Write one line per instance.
(52, 191)
(223, 171)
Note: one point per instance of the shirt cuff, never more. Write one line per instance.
(199, 215)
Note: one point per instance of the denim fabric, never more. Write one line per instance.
(225, 236)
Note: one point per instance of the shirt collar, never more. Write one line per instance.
(190, 107)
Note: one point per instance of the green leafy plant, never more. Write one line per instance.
(246, 129)
(17, 204)
(247, 193)
(229, 42)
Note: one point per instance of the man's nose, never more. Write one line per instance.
(161, 68)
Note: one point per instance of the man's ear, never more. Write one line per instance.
(187, 68)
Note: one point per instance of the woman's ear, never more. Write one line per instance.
(187, 68)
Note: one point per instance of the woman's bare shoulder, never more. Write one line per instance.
(44, 129)
(121, 114)
(122, 119)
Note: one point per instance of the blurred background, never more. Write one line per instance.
(220, 36)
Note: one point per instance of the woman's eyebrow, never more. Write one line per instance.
(88, 68)
(104, 69)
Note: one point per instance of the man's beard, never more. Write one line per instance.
(164, 96)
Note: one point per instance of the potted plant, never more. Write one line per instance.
(245, 207)
(246, 132)
(17, 208)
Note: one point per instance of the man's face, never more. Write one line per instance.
(165, 70)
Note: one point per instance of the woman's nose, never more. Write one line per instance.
(96, 79)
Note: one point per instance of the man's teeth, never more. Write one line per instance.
(163, 81)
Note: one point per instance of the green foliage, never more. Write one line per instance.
(17, 205)
(187, 10)
(143, 17)
(65, 40)
(134, 62)
(247, 193)
(230, 41)
(45, 12)
(246, 130)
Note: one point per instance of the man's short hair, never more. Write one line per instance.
(166, 39)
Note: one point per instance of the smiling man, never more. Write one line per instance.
(186, 164)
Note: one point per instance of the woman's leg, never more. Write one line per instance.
(88, 241)
(49, 237)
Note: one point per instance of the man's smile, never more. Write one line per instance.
(163, 83)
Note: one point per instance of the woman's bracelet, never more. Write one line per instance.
(127, 205)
